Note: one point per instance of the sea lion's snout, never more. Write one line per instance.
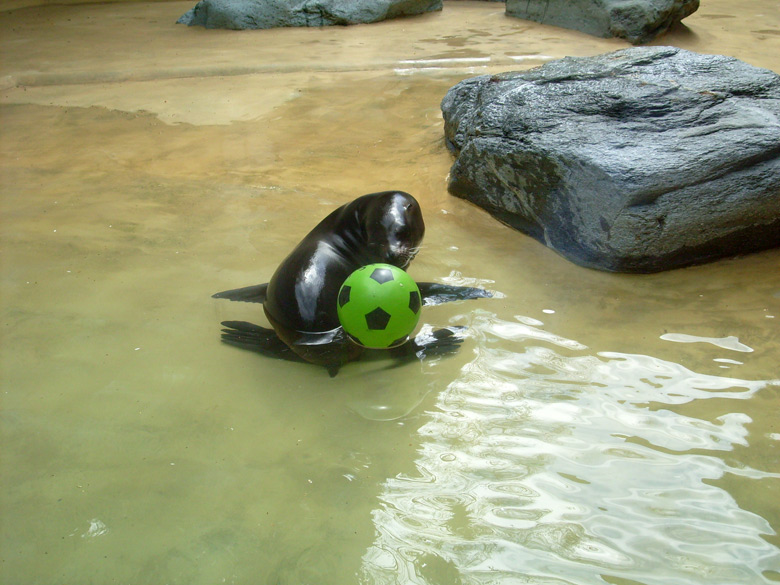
(396, 228)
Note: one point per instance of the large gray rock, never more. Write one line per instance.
(249, 14)
(638, 21)
(635, 161)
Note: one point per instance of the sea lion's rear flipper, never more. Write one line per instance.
(248, 294)
(331, 349)
(440, 341)
(258, 339)
(430, 343)
(435, 293)
(266, 342)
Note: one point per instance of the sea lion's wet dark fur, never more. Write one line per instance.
(300, 299)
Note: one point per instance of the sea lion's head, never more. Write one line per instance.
(394, 227)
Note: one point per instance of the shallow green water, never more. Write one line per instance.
(594, 428)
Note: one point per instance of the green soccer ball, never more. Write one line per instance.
(379, 306)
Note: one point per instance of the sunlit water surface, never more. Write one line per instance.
(594, 428)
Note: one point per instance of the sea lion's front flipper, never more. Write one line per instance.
(248, 294)
(435, 293)
(258, 339)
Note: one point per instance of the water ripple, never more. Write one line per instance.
(547, 464)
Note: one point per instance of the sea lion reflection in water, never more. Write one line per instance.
(300, 299)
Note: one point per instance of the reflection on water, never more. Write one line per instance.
(594, 428)
(548, 462)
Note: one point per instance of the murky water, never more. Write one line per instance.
(595, 428)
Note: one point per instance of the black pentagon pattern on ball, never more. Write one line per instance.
(377, 319)
(414, 301)
(382, 275)
(344, 295)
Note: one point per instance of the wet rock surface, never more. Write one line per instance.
(638, 21)
(258, 14)
(640, 160)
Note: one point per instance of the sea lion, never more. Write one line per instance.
(300, 299)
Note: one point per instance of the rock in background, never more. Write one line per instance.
(253, 14)
(638, 21)
(636, 161)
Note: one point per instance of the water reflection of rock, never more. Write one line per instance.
(562, 465)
